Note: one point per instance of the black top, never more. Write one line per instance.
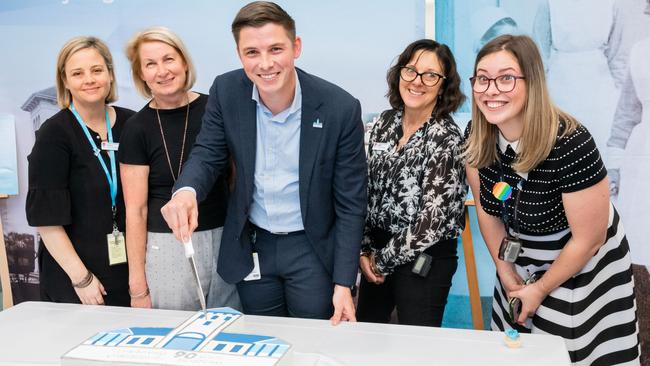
(68, 187)
(142, 144)
(573, 164)
(415, 193)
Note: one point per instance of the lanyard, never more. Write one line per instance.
(504, 213)
(112, 178)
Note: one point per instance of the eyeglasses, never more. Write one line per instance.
(428, 78)
(504, 83)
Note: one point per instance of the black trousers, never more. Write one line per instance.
(419, 300)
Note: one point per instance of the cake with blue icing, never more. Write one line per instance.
(201, 339)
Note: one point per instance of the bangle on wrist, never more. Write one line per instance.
(141, 295)
(85, 282)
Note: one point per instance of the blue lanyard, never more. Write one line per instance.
(504, 212)
(112, 178)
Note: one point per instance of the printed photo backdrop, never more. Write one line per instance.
(595, 54)
(349, 43)
(593, 51)
(8, 161)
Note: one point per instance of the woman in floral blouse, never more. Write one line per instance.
(416, 191)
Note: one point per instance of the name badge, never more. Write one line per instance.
(116, 248)
(380, 146)
(255, 273)
(110, 146)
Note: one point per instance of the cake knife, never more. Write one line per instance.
(189, 254)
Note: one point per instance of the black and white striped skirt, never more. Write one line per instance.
(594, 311)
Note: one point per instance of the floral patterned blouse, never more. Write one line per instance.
(417, 192)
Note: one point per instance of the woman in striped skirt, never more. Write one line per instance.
(545, 214)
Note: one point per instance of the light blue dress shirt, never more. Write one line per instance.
(276, 196)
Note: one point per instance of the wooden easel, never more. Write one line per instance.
(470, 268)
(7, 299)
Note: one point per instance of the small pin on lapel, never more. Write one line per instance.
(317, 123)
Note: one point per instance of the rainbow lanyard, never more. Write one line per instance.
(111, 177)
(504, 212)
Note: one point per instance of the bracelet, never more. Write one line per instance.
(85, 282)
(141, 295)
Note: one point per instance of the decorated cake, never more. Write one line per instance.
(200, 340)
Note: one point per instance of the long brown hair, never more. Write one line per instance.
(541, 117)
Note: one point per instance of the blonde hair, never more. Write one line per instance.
(541, 117)
(157, 34)
(76, 44)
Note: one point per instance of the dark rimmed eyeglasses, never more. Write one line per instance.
(428, 78)
(503, 83)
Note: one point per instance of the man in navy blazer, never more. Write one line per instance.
(299, 202)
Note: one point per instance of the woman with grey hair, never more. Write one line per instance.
(156, 143)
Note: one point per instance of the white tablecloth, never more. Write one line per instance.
(38, 333)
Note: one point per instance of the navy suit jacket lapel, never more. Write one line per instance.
(247, 123)
(310, 136)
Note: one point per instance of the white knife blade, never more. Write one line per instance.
(189, 254)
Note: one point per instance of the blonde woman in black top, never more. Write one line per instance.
(74, 198)
(155, 144)
(416, 191)
(541, 185)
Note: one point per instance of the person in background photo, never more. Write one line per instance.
(156, 142)
(75, 198)
(416, 191)
(629, 151)
(490, 22)
(630, 25)
(542, 187)
(295, 218)
(574, 37)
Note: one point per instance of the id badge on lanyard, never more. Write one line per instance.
(511, 246)
(115, 242)
(256, 273)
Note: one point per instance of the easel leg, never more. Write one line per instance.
(472, 277)
(7, 300)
